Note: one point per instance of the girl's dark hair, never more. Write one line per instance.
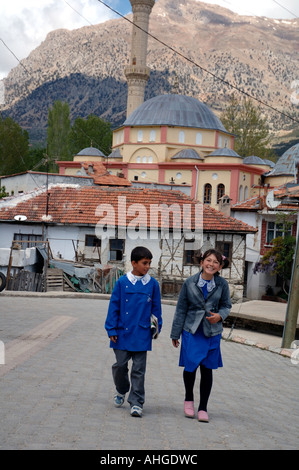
(220, 258)
(140, 252)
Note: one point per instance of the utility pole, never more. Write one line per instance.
(290, 325)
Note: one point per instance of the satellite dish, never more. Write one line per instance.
(271, 202)
(20, 218)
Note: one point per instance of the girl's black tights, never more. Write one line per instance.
(206, 381)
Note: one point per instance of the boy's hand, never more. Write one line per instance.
(113, 338)
(175, 343)
(214, 318)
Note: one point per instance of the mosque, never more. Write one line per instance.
(174, 140)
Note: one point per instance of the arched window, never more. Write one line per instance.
(150, 159)
(246, 193)
(181, 137)
(220, 191)
(207, 195)
(241, 193)
(198, 138)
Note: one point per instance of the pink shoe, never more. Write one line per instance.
(203, 416)
(189, 409)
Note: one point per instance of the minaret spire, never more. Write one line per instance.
(137, 73)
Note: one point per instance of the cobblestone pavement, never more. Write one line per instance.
(56, 388)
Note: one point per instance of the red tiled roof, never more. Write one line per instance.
(73, 204)
(102, 177)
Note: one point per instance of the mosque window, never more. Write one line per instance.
(152, 136)
(241, 193)
(207, 196)
(139, 136)
(138, 159)
(181, 137)
(178, 176)
(246, 193)
(220, 191)
(220, 141)
(143, 174)
(144, 159)
(198, 138)
(150, 159)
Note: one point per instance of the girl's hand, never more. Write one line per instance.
(175, 343)
(113, 338)
(214, 318)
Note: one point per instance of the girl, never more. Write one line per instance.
(204, 302)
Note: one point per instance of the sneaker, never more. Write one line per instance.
(136, 411)
(118, 399)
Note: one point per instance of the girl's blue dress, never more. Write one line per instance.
(198, 349)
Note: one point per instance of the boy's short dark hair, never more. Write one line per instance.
(140, 252)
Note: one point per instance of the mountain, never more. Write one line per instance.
(85, 67)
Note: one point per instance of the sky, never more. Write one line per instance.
(25, 24)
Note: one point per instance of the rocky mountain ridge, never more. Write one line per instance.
(85, 67)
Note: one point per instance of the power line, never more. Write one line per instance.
(199, 66)
(286, 9)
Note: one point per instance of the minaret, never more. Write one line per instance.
(137, 73)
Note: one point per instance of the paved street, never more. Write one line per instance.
(56, 388)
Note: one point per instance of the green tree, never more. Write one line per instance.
(14, 145)
(92, 131)
(58, 132)
(245, 121)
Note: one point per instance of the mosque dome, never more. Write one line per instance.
(90, 152)
(175, 110)
(287, 163)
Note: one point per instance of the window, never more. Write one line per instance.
(276, 230)
(198, 138)
(181, 137)
(207, 195)
(241, 193)
(116, 250)
(138, 159)
(191, 255)
(150, 159)
(152, 136)
(246, 193)
(139, 136)
(25, 240)
(225, 248)
(220, 191)
(92, 240)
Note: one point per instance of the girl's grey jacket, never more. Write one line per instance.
(192, 308)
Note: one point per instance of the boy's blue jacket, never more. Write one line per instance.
(129, 314)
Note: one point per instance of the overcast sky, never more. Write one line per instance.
(24, 24)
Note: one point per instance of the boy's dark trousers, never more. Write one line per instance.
(120, 373)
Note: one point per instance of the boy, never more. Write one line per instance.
(135, 297)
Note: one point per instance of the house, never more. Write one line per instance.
(261, 211)
(103, 224)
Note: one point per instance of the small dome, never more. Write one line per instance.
(224, 152)
(91, 152)
(253, 160)
(175, 110)
(287, 163)
(187, 153)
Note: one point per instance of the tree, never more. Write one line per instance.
(14, 144)
(58, 132)
(92, 131)
(245, 121)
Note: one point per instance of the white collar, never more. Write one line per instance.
(210, 284)
(133, 279)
